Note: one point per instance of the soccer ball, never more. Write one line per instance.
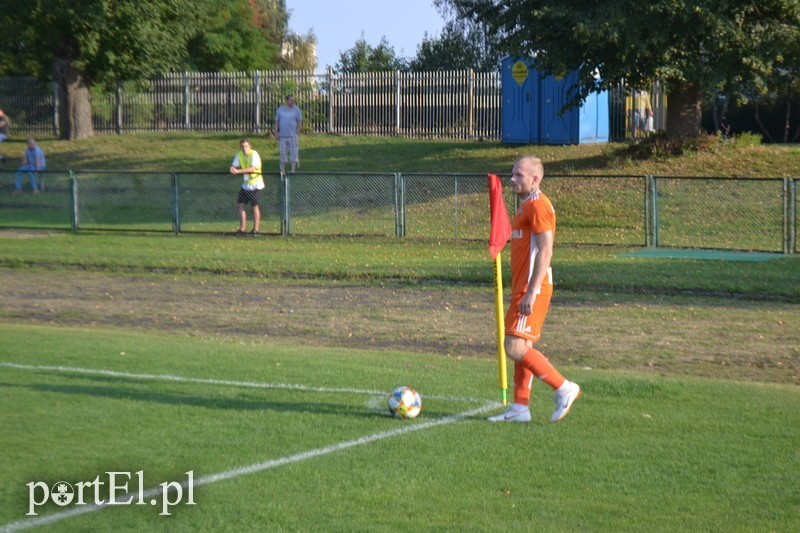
(404, 402)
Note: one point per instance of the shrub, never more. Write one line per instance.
(661, 146)
(747, 138)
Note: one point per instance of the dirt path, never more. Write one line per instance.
(667, 335)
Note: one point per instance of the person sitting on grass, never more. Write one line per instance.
(33, 161)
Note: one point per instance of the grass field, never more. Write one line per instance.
(638, 453)
(191, 152)
(262, 366)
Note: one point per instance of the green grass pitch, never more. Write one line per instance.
(292, 438)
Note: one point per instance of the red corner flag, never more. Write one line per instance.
(501, 227)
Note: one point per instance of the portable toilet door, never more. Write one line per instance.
(593, 121)
(520, 112)
(557, 127)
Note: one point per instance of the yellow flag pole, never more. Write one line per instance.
(501, 352)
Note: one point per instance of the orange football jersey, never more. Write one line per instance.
(535, 215)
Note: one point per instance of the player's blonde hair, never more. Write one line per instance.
(536, 164)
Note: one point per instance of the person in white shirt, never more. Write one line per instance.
(247, 163)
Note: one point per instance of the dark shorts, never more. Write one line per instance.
(249, 197)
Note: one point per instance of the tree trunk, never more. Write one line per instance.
(74, 101)
(788, 120)
(761, 124)
(684, 110)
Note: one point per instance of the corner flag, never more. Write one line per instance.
(499, 234)
(500, 226)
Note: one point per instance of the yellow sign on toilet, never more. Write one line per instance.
(520, 72)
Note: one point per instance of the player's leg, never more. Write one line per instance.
(256, 219)
(521, 332)
(523, 382)
(242, 218)
(515, 347)
(241, 203)
(18, 183)
(282, 154)
(255, 197)
(294, 152)
(34, 185)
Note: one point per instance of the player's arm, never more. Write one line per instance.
(544, 242)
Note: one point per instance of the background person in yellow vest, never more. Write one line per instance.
(247, 163)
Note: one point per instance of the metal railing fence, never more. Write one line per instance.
(456, 104)
(461, 104)
(657, 211)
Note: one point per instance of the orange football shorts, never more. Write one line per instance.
(528, 327)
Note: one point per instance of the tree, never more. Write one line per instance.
(459, 46)
(85, 42)
(462, 44)
(239, 35)
(694, 48)
(299, 52)
(362, 57)
(82, 44)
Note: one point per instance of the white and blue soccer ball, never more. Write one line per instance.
(404, 402)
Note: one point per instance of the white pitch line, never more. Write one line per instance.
(257, 467)
(205, 381)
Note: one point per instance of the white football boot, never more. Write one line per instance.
(565, 396)
(515, 413)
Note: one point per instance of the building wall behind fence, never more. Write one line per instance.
(722, 213)
(459, 104)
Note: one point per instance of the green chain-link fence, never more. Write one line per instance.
(725, 213)
(728, 213)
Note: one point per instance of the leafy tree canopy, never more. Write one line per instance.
(363, 57)
(241, 35)
(103, 39)
(299, 53)
(82, 44)
(113, 40)
(692, 47)
(463, 43)
(459, 46)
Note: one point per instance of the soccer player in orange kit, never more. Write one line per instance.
(532, 234)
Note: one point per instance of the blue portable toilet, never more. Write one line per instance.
(532, 103)
(520, 109)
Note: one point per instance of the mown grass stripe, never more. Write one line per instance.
(224, 382)
(253, 468)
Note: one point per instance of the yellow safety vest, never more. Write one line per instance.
(246, 162)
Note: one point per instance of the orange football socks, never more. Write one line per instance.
(522, 384)
(536, 362)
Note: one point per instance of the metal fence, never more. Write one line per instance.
(738, 213)
(458, 104)
(657, 211)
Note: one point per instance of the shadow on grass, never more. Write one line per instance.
(207, 402)
(123, 389)
(367, 155)
(190, 151)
